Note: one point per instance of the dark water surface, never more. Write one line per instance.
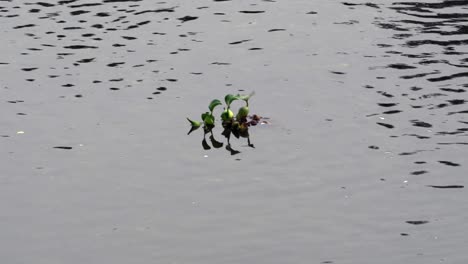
(364, 159)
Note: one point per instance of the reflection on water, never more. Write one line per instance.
(116, 75)
(427, 48)
(239, 131)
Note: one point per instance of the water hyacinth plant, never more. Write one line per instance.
(236, 125)
(227, 116)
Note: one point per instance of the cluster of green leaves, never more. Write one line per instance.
(227, 116)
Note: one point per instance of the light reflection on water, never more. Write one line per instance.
(363, 159)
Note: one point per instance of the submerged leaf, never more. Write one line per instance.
(227, 133)
(205, 145)
(213, 104)
(250, 144)
(215, 143)
(235, 132)
(192, 128)
(207, 129)
(233, 151)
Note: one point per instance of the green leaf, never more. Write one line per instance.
(229, 99)
(213, 104)
(245, 97)
(194, 123)
(227, 115)
(243, 113)
(204, 115)
(208, 119)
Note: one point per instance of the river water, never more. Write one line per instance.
(363, 158)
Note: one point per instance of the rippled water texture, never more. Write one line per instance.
(363, 158)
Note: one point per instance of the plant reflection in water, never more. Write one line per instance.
(238, 129)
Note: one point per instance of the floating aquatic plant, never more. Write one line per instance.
(236, 125)
(227, 116)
